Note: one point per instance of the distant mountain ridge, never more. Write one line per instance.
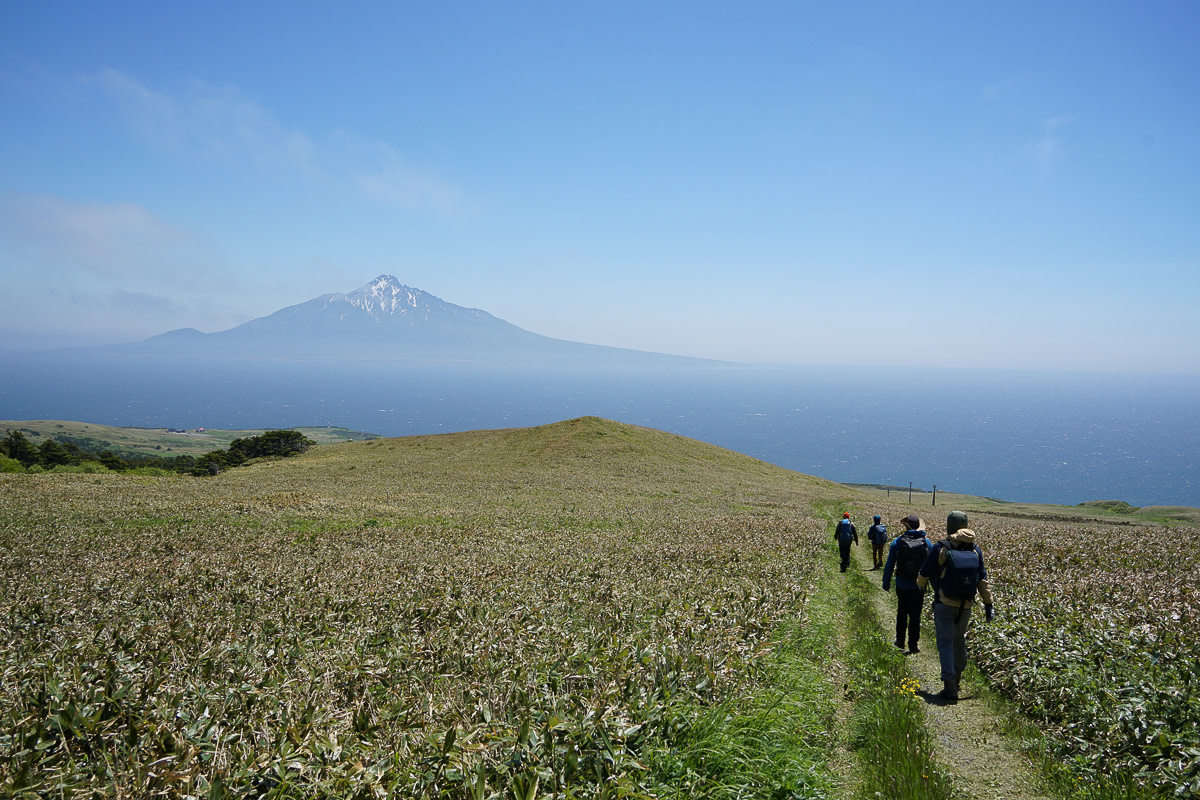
(386, 320)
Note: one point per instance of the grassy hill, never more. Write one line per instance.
(477, 611)
(196, 442)
(586, 608)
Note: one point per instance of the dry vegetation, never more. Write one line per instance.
(1101, 644)
(456, 615)
(514, 613)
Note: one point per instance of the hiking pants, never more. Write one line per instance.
(845, 548)
(951, 639)
(908, 615)
(877, 554)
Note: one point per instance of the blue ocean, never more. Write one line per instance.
(1031, 437)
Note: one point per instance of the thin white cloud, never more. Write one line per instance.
(1047, 150)
(112, 241)
(206, 121)
(156, 116)
(143, 303)
(393, 181)
(80, 267)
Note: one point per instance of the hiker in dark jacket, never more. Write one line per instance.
(905, 558)
(844, 534)
(955, 587)
(877, 535)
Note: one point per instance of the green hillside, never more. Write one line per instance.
(124, 442)
(583, 609)
(489, 610)
(157, 441)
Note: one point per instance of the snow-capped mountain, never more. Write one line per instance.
(386, 297)
(385, 320)
(383, 303)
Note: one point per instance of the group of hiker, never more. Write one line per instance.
(953, 566)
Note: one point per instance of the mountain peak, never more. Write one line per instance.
(386, 285)
(386, 295)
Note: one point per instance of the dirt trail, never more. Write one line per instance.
(983, 763)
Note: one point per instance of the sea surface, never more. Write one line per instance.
(1032, 437)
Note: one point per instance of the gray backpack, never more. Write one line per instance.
(911, 552)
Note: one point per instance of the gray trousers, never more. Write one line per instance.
(951, 639)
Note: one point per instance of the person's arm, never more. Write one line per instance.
(929, 568)
(985, 588)
(889, 566)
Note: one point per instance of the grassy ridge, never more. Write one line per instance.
(583, 608)
(159, 441)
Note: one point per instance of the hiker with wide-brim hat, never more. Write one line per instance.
(955, 568)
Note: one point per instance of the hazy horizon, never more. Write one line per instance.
(1020, 437)
(1004, 187)
(924, 368)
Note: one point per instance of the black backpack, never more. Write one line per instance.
(960, 578)
(910, 555)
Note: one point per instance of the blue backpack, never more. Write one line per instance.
(845, 531)
(960, 578)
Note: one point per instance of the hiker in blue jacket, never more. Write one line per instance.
(844, 534)
(905, 558)
(955, 568)
(877, 535)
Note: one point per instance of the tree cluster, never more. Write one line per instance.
(63, 452)
(49, 454)
(272, 444)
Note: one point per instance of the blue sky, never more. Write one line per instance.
(953, 184)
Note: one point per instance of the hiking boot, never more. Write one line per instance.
(949, 692)
(914, 650)
(899, 643)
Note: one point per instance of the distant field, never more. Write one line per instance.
(158, 441)
(1099, 511)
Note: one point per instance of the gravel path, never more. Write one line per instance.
(972, 748)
